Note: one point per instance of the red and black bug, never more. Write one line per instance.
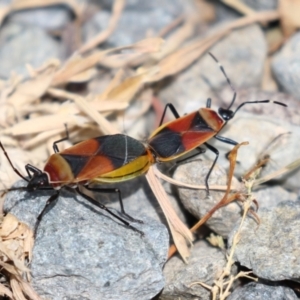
(110, 158)
(184, 134)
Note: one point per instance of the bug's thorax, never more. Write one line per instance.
(212, 118)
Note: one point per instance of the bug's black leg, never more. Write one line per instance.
(173, 110)
(114, 191)
(30, 168)
(55, 148)
(216, 151)
(52, 199)
(227, 141)
(102, 206)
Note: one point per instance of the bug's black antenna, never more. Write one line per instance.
(16, 171)
(257, 101)
(227, 78)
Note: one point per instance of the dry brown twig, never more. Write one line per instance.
(222, 285)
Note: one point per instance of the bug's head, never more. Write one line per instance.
(226, 114)
(38, 181)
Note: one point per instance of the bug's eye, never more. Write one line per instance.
(226, 114)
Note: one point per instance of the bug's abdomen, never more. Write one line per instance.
(107, 158)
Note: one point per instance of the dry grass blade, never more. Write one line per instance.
(239, 6)
(4, 11)
(28, 290)
(100, 38)
(84, 76)
(126, 90)
(185, 56)
(8, 225)
(289, 168)
(289, 16)
(176, 22)
(16, 243)
(174, 222)
(191, 186)
(182, 58)
(179, 36)
(11, 269)
(117, 79)
(78, 64)
(46, 123)
(4, 291)
(89, 110)
(32, 89)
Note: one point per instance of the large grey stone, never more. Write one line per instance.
(82, 252)
(196, 201)
(259, 291)
(205, 264)
(272, 248)
(286, 66)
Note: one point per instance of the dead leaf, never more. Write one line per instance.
(182, 236)
(8, 225)
(32, 89)
(239, 6)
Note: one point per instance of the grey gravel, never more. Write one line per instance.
(271, 196)
(83, 252)
(286, 66)
(261, 4)
(259, 291)
(169, 6)
(48, 18)
(24, 44)
(271, 248)
(205, 264)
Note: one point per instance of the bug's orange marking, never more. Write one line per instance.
(58, 169)
(96, 167)
(86, 148)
